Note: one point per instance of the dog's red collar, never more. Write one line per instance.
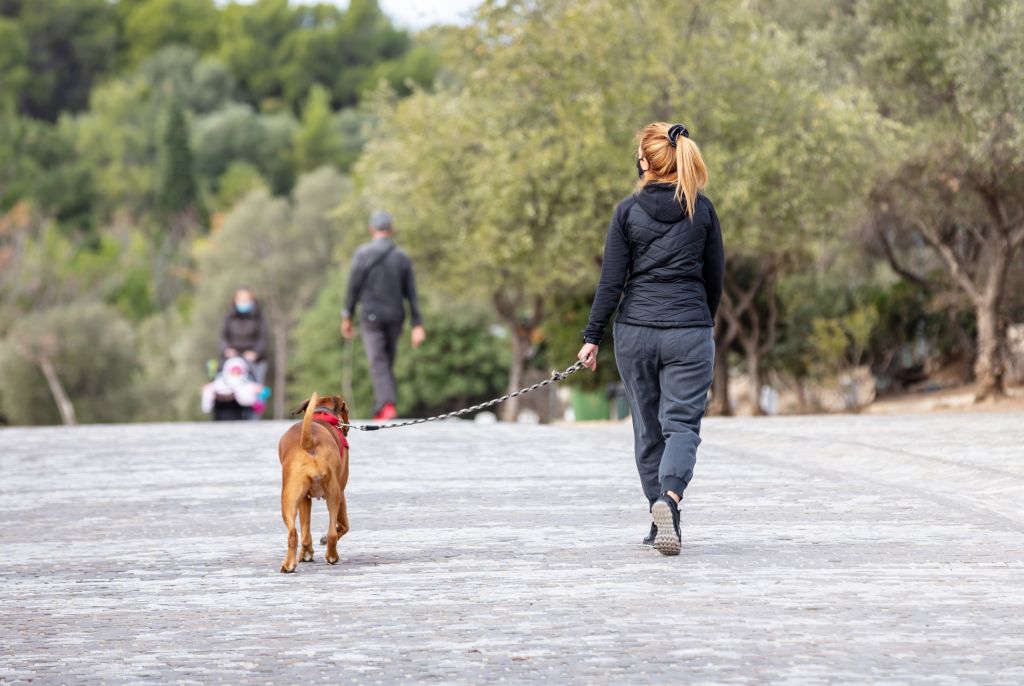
(333, 421)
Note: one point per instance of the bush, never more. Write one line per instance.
(92, 349)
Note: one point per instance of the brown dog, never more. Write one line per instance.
(314, 464)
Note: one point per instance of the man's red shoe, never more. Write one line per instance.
(385, 413)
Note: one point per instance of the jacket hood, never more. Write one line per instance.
(659, 201)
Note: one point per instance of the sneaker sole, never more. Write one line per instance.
(665, 542)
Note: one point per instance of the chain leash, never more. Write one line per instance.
(555, 376)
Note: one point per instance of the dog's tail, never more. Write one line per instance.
(306, 441)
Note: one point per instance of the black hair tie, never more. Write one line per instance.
(675, 131)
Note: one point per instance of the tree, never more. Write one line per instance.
(235, 183)
(13, 58)
(250, 37)
(178, 73)
(39, 164)
(238, 134)
(279, 51)
(317, 142)
(153, 24)
(177, 193)
(510, 175)
(771, 131)
(82, 353)
(948, 74)
(498, 180)
(116, 140)
(70, 45)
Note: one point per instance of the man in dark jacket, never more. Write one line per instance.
(244, 332)
(381, 280)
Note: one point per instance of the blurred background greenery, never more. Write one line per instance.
(866, 158)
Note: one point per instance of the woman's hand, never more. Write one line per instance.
(588, 354)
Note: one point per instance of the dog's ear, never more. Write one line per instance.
(341, 409)
(301, 408)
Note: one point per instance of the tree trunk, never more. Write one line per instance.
(510, 307)
(753, 352)
(964, 343)
(280, 367)
(516, 372)
(60, 396)
(989, 370)
(720, 384)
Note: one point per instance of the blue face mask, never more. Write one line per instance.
(243, 308)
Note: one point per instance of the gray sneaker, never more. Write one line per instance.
(665, 514)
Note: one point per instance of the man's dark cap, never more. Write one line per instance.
(381, 221)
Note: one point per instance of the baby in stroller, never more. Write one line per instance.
(234, 392)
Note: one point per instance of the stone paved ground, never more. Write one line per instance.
(817, 550)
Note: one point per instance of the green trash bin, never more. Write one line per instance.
(589, 406)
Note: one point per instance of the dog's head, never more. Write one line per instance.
(334, 404)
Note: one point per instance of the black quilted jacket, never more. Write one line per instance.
(666, 267)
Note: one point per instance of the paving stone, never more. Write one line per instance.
(816, 550)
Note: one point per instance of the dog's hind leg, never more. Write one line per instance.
(333, 506)
(305, 504)
(343, 517)
(289, 505)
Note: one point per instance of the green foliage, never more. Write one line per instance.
(13, 54)
(840, 343)
(153, 24)
(180, 74)
(352, 126)
(235, 183)
(417, 68)
(236, 133)
(38, 163)
(93, 353)
(44, 268)
(70, 45)
(317, 142)
(177, 192)
(280, 51)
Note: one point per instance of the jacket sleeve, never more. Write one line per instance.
(614, 270)
(263, 337)
(409, 292)
(355, 275)
(714, 263)
(225, 334)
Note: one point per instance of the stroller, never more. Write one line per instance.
(234, 393)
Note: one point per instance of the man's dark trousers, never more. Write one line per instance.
(667, 374)
(380, 341)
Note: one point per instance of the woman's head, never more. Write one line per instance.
(244, 300)
(667, 155)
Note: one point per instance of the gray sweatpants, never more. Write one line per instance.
(667, 374)
(380, 341)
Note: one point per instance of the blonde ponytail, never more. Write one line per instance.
(673, 159)
(691, 174)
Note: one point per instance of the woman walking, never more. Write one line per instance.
(664, 259)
